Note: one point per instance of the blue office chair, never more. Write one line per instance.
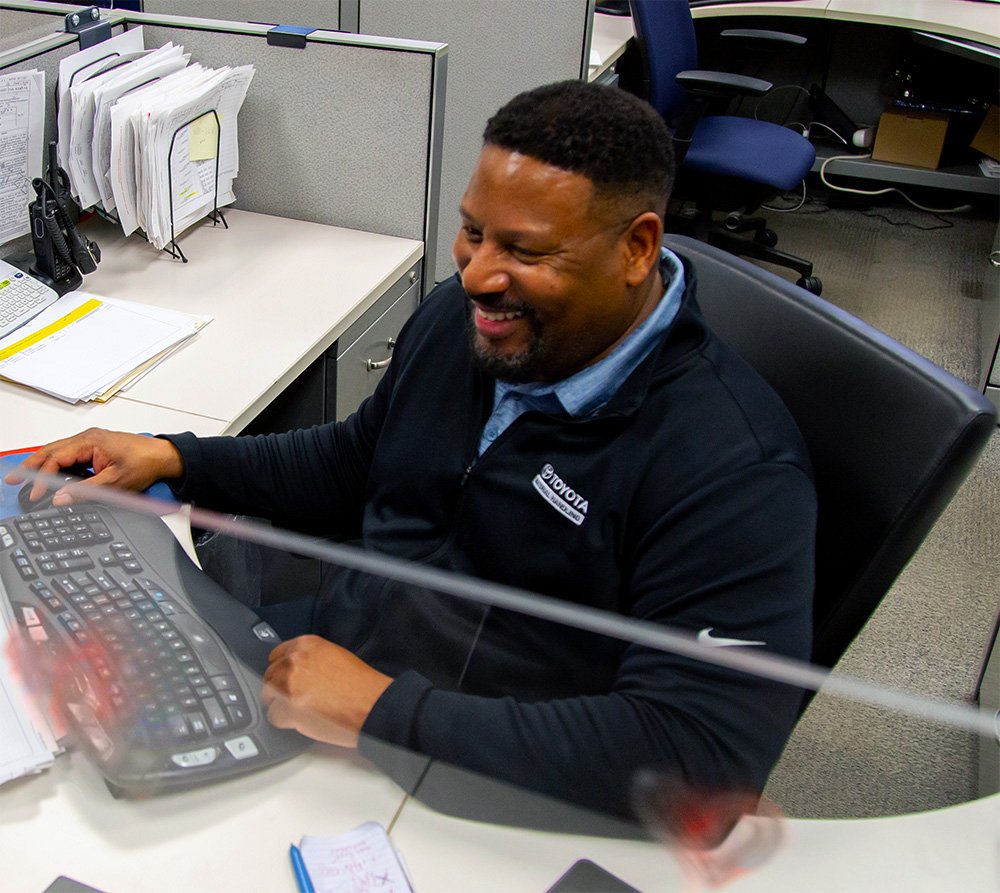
(724, 163)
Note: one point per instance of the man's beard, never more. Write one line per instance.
(519, 368)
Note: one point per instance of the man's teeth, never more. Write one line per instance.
(497, 317)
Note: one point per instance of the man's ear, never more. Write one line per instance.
(642, 246)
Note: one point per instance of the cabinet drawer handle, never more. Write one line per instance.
(371, 365)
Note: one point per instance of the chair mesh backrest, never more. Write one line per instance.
(665, 34)
(891, 436)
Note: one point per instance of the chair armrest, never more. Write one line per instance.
(777, 37)
(719, 83)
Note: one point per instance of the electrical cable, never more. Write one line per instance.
(888, 189)
(802, 201)
(828, 127)
(945, 224)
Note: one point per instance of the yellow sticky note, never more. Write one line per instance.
(203, 138)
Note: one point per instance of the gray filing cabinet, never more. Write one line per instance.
(329, 390)
(336, 383)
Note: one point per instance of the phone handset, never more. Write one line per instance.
(62, 254)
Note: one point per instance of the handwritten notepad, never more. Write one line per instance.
(360, 861)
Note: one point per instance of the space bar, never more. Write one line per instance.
(210, 654)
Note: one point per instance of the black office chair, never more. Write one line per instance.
(891, 436)
(724, 163)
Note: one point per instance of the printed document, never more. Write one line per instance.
(22, 122)
(82, 346)
(76, 67)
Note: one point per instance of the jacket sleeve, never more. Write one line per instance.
(741, 563)
(312, 478)
(303, 478)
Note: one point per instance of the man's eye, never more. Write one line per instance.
(473, 235)
(525, 253)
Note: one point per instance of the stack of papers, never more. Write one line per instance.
(148, 136)
(84, 347)
(27, 742)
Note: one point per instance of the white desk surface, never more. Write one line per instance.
(232, 836)
(949, 849)
(609, 39)
(976, 21)
(281, 291)
(815, 8)
(31, 419)
(958, 18)
(971, 20)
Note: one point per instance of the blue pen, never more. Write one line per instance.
(299, 867)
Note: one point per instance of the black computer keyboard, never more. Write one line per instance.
(157, 669)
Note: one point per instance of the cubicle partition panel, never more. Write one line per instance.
(344, 131)
(18, 28)
(44, 55)
(497, 48)
(30, 22)
(335, 133)
(332, 15)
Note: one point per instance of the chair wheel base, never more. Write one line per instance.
(810, 283)
(767, 237)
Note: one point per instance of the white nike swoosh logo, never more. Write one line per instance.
(705, 637)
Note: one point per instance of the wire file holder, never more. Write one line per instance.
(172, 248)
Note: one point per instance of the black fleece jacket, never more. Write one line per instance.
(686, 501)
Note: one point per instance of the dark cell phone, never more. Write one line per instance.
(63, 884)
(585, 876)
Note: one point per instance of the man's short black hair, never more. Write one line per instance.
(611, 137)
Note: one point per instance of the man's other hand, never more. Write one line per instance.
(321, 690)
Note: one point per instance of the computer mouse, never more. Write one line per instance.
(66, 476)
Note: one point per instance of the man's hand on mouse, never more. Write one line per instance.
(129, 461)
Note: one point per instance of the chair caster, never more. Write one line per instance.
(767, 237)
(811, 283)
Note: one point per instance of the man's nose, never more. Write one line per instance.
(484, 272)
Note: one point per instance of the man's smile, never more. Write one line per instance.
(497, 316)
(497, 322)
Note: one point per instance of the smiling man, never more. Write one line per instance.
(560, 418)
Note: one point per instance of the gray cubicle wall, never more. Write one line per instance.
(496, 49)
(332, 15)
(18, 28)
(43, 50)
(345, 131)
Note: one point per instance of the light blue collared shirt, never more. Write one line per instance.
(586, 391)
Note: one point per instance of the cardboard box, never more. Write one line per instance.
(987, 138)
(908, 136)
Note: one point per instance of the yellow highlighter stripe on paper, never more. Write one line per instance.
(51, 328)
